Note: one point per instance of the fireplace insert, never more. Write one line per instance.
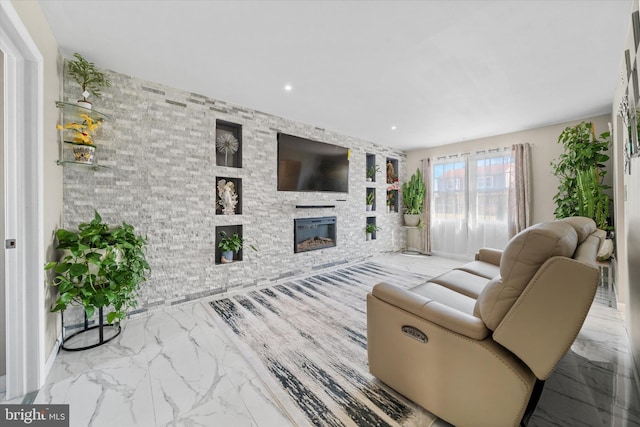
(311, 234)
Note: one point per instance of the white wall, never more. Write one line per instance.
(544, 149)
(33, 19)
(627, 206)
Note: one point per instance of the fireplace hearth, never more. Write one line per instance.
(311, 234)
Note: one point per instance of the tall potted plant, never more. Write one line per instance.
(103, 266)
(88, 77)
(413, 192)
(584, 155)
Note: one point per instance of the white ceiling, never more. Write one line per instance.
(441, 71)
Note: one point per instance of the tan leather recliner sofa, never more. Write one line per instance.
(471, 345)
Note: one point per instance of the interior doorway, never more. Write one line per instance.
(3, 326)
(22, 169)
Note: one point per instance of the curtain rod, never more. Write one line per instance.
(489, 150)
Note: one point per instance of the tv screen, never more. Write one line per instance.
(306, 165)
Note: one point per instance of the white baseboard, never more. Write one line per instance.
(52, 357)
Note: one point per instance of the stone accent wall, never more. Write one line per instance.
(160, 149)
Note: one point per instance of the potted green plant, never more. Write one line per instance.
(592, 201)
(103, 266)
(371, 172)
(230, 245)
(88, 77)
(584, 154)
(390, 201)
(371, 229)
(81, 136)
(413, 192)
(371, 196)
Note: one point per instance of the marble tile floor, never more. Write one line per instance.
(175, 367)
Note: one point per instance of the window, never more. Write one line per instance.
(469, 202)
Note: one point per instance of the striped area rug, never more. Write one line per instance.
(307, 339)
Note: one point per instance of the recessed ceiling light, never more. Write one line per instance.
(288, 88)
(393, 128)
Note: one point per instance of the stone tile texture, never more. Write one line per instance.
(159, 145)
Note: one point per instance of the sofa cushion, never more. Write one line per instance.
(584, 226)
(445, 296)
(481, 268)
(461, 281)
(521, 259)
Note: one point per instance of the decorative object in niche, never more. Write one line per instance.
(228, 197)
(226, 143)
(86, 74)
(391, 172)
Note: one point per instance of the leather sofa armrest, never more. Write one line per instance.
(492, 256)
(432, 311)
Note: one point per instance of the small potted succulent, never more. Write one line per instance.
(371, 172)
(371, 196)
(88, 77)
(370, 229)
(230, 245)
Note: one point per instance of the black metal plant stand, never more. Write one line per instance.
(100, 326)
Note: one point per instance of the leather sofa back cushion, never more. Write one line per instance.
(521, 259)
(583, 226)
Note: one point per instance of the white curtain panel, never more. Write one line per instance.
(470, 202)
(426, 217)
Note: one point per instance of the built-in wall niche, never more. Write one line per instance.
(371, 228)
(391, 170)
(392, 197)
(228, 193)
(371, 199)
(228, 230)
(228, 144)
(393, 185)
(371, 167)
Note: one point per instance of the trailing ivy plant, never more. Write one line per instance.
(583, 153)
(102, 266)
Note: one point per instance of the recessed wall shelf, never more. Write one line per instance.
(229, 230)
(226, 133)
(237, 184)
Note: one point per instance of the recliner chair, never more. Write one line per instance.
(474, 345)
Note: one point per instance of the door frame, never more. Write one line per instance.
(23, 136)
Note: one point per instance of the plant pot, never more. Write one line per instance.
(368, 236)
(84, 153)
(411, 220)
(84, 104)
(369, 179)
(226, 257)
(369, 207)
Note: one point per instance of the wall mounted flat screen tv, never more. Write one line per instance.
(306, 165)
